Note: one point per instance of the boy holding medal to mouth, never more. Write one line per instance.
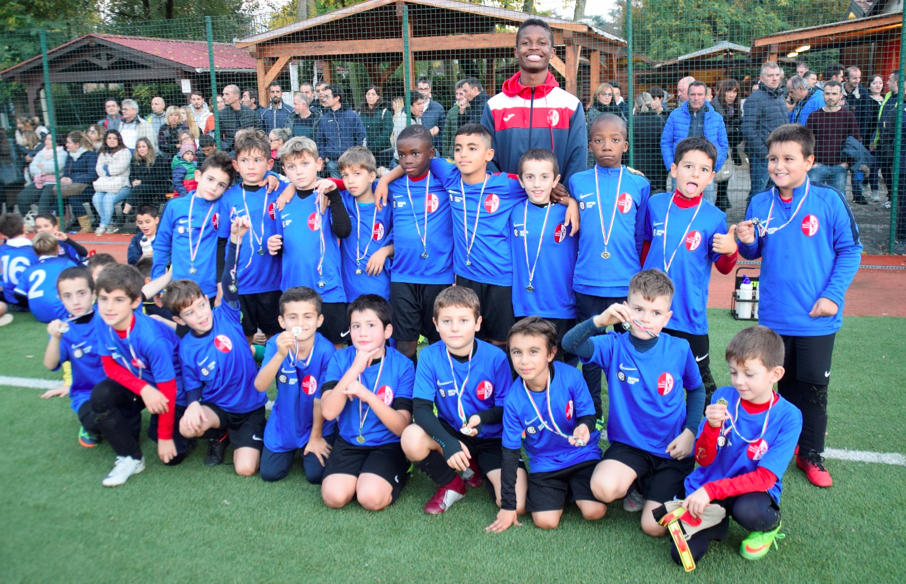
(802, 302)
(744, 446)
(368, 390)
(549, 409)
(466, 380)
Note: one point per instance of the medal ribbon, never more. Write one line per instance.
(555, 429)
(255, 239)
(764, 426)
(683, 238)
(607, 234)
(465, 226)
(460, 389)
(193, 251)
(531, 268)
(414, 216)
(374, 390)
(764, 228)
(360, 257)
(321, 246)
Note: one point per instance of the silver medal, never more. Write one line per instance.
(468, 262)
(721, 441)
(192, 270)
(425, 255)
(232, 288)
(530, 288)
(358, 271)
(605, 254)
(320, 284)
(64, 327)
(260, 251)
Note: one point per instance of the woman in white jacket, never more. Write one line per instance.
(112, 185)
(43, 177)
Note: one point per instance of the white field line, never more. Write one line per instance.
(30, 382)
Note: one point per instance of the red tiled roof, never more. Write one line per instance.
(192, 54)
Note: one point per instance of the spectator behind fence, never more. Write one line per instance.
(452, 122)
(831, 125)
(276, 138)
(186, 117)
(303, 120)
(149, 174)
(887, 126)
(476, 98)
(433, 114)
(853, 95)
(77, 177)
(184, 167)
(44, 178)
(682, 90)
(210, 123)
(168, 136)
(764, 112)
(207, 146)
(132, 127)
(250, 100)
(727, 105)
(157, 118)
(308, 90)
(659, 101)
(802, 100)
(340, 128)
(274, 116)
(234, 117)
(647, 128)
(378, 121)
(95, 133)
(601, 102)
(199, 109)
(870, 109)
(112, 120)
(618, 99)
(112, 184)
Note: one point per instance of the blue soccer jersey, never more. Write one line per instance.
(481, 212)
(187, 239)
(681, 245)
(544, 257)
(460, 390)
(257, 271)
(299, 381)
(547, 419)
(371, 230)
(809, 249)
(423, 236)
(311, 252)
(16, 255)
(79, 346)
(391, 379)
(750, 443)
(613, 203)
(39, 284)
(646, 408)
(70, 252)
(218, 367)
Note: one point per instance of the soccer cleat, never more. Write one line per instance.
(758, 543)
(812, 464)
(633, 501)
(125, 467)
(472, 476)
(216, 451)
(601, 424)
(446, 496)
(87, 439)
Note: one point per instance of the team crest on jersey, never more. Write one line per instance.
(310, 385)
(757, 449)
(282, 378)
(314, 221)
(693, 240)
(531, 430)
(223, 343)
(431, 202)
(215, 221)
(385, 393)
(560, 233)
(569, 410)
(553, 118)
(205, 371)
(442, 392)
(271, 211)
(621, 376)
(484, 390)
(810, 225)
(377, 233)
(665, 384)
(624, 203)
(491, 203)
(581, 205)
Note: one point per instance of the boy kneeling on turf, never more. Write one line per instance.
(466, 380)
(218, 367)
(369, 392)
(744, 446)
(550, 406)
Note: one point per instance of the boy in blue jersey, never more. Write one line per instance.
(186, 238)
(650, 423)
(218, 369)
(803, 303)
(466, 380)
(367, 250)
(306, 239)
(613, 202)
(153, 305)
(549, 408)
(368, 390)
(16, 254)
(686, 248)
(543, 251)
(744, 446)
(297, 358)
(140, 357)
(37, 287)
(147, 220)
(47, 223)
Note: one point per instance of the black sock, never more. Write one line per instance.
(436, 468)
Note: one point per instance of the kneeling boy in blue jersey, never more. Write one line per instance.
(466, 380)
(650, 424)
(744, 447)
(47, 223)
(548, 407)
(16, 254)
(297, 358)
(37, 287)
(218, 369)
(369, 391)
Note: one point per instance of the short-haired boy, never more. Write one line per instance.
(686, 247)
(613, 204)
(147, 218)
(218, 369)
(37, 287)
(460, 388)
(306, 240)
(650, 423)
(140, 357)
(98, 262)
(368, 390)
(154, 306)
(744, 447)
(803, 302)
(16, 254)
(297, 358)
(48, 223)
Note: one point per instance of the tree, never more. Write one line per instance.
(579, 12)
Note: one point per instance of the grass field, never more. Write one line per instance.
(197, 523)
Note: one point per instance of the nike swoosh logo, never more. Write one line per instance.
(256, 437)
(585, 196)
(622, 367)
(202, 362)
(285, 371)
(344, 334)
(827, 373)
(444, 382)
(530, 421)
(702, 358)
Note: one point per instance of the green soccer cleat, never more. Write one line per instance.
(87, 439)
(758, 543)
(601, 423)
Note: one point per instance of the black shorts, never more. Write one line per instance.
(413, 310)
(181, 442)
(588, 306)
(335, 327)
(387, 462)
(808, 359)
(549, 491)
(260, 311)
(660, 479)
(245, 430)
(488, 452)
(496, 308)
(700, 345)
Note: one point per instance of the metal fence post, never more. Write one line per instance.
(48, 95)
(210, 34)
(406, 64)
(893, 194)
(630, 89)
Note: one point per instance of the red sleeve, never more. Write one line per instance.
(757, 481)
(726, 263)
(706, 445)
(340, 184)
(121, 375)
(166, 422)
(645, 247)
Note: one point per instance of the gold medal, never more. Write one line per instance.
(360, 439)
(605, 254)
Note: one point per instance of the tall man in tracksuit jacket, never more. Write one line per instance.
(338, 130)
(764, 112)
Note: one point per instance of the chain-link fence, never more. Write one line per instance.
(360, 74)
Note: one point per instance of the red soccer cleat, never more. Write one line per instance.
(813, 467)
(473, 476)
(446, 496)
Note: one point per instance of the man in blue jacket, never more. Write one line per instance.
(807, 100)
(764, 112)
(338, 130)
(434, 116)
(692, 119)
(274, 116)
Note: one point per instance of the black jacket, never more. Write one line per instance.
(231, 121)
(764, 112)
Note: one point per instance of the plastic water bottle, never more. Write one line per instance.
(744, 309)
(755, 306)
